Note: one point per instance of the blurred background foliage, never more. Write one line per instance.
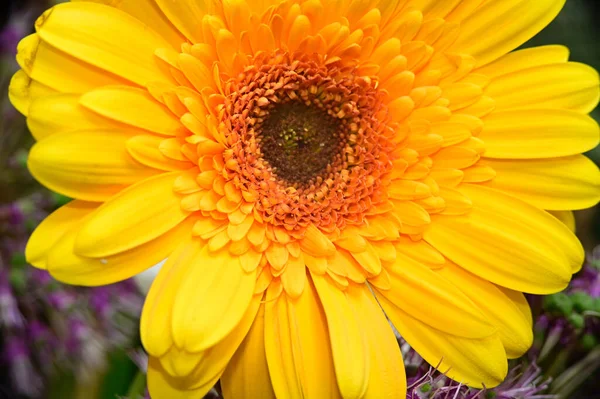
(69, 342)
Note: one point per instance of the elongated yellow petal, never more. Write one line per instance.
(148, 12)
(50, 231)
(569, 85)
(423, 294)
(538, 133)
(566, 183)
(70, 268)
(368, 259)
(58, 70)
(22, 91)
(199, 370)
(514, 329)
(557, 238)
(186, 15)
(144, 148)
(247, 374)
(121, 223)
(156, 320)
(476, 362)
(61, 112)
(162, 385)
(525, 58)
(420, 251)
(387, 378)
(315, 243)
(520, 20)
(297, 347)
(294, 276)
(93, 33)
(349, 344)
(132, 106)
(520, 301)
(500, 241)
(567, 217)
(211, 301)
(91, 165)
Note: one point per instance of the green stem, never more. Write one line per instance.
(137, 388)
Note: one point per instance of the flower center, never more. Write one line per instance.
(308, 142)
(299, 141)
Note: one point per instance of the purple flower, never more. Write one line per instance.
(10, 316)
(24, 376)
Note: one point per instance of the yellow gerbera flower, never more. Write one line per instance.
(307, 168)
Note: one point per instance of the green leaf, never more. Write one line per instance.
(117, 380)
(582, 301)
(137, 389)
(576, 320)
(558, 303)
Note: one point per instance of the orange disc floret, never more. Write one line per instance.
(349, 176)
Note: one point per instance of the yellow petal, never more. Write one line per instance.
(566, 183)
(162, 385)
(519, 21)
(211, 301)
(70, 268)
(208, 365)
(277, 255)
(121, 223)
(93, 33)
(198, 74)
(238, 231)
(53, 228)
(423, 294)
(315, 264)
(420, 251)
(144, 148)
(538, 133)
(316, 243)
(132, 106)
(569, 85)
(520, 302)
(22, 91)
(347, 337)
(368, 260)
(408, 190)
(297, 347)
(294, 276)
(343, 264)
(60, 71)
(500, 240)
(148, 12)
(557, 238)
(247, 375)
(387, 378)
(250, 260)
(91, 165)
(455, 158)
(156, 320)
(514, 329)
(57, 113)
(475, 362)
(567, 217)
(186, 16)
(456, 202)
(525, 58)
(461, 94)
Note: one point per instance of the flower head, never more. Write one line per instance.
(304, 167)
